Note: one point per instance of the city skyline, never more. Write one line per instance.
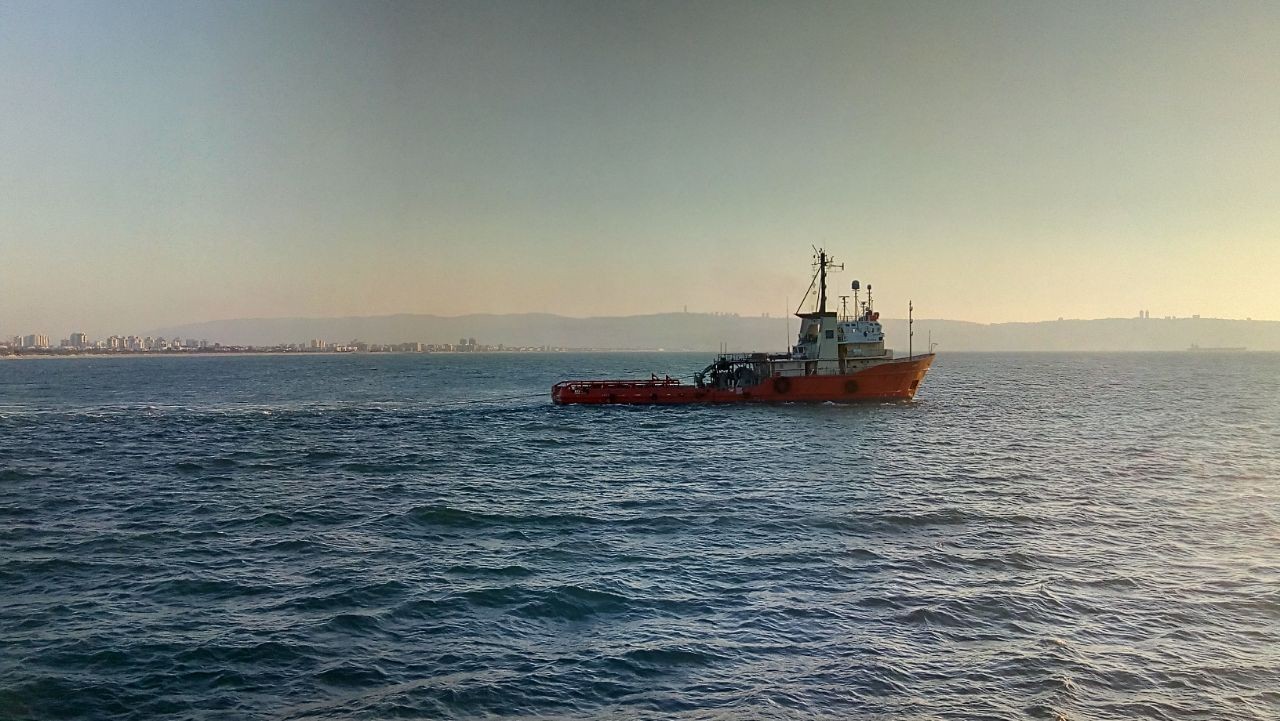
(173, 163)
(41, 344)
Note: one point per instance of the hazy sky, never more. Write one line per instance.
(166, 162)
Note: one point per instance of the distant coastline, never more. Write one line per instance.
(695, 332)
(709, 332)
(32, 353)
(366, 354)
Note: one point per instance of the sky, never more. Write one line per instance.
(172, 162)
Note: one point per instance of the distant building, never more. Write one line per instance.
(35, 340)
(79, 340)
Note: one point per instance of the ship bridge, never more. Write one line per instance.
(830, 343)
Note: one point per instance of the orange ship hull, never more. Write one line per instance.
(894, 380)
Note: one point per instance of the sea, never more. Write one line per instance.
(1045, 535)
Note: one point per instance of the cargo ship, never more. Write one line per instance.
(837, 357)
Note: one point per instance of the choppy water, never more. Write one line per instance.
(1046, 536)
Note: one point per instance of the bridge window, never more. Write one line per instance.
(831, 334)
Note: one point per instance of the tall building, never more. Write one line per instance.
(35, 340)
(79, 340)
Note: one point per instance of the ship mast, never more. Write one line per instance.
(824, 262)
(822, 281)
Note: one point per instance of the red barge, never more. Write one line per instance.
(837, 358)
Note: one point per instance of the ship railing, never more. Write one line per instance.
(743, 357)
(651, 382)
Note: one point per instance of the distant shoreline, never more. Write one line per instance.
(375, 354)
(363, 354)
(692, 330)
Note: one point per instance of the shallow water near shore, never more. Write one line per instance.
(1059, 536)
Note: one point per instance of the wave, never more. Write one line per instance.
(653, 661)
(509, 571)
(359, 597)
(261, 653)
(351, 623)
(569, 602)
(179, 588)
(350, 675)
(450, 517)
